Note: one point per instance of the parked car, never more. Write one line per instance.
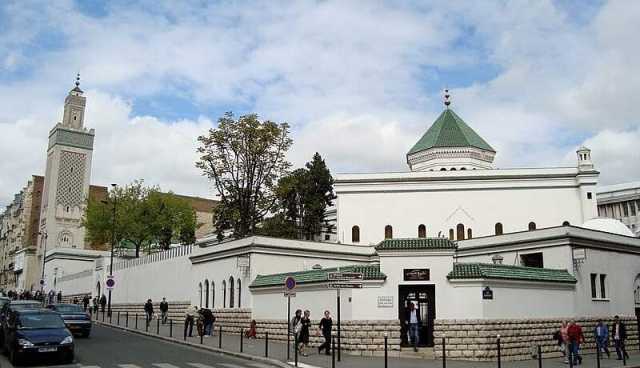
(12, 306)
(38, 333)
(4, 300)
(76, 319)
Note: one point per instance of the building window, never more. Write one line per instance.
(355, 234)
(498, 228)
(625, 209)
(594, 288)
(213, 294)
(589, 195)
(239, 293)
(443, 169)
(231, 292)
(224, 294)
(532, 260)
(460, 231)
(450, 234)
(566, 223)
(327, 237)
(388, 232)
(200, 293)
(603, 287)
(469, 233)
(422, 231)
(206, 293)
(532, 226)
(632, 208)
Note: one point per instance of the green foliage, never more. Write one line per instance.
(244, 158)
(303, 197)
(144, 216)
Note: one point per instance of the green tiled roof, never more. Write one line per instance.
(498, 271)
(449, 130)
(416, 244)
(370, 272)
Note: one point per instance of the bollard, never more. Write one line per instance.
(136, 321)
(444, 353)
(499, 357)
(570, 357)
(295, 349)
(170, 328)
(266, 344)
(597, 356)
(110, 317)
(539, 356)
(333, 352)
(624, 353)
(220, 339)
(201, 337)
(158, 327)
(146, 323)
(126, 322)
(118, 319)
(102, 316)
(386, 355)
(241, 339)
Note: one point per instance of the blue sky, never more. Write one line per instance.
(359, 81)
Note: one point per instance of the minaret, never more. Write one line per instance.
(584, 159)
(67, 176)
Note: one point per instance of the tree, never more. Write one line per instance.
(144, 216)
(244, 158)
(303, 197)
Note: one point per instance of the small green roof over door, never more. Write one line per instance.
(449, 130)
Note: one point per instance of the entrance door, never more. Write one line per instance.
(424, 298)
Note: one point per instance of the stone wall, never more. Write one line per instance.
(519, 338)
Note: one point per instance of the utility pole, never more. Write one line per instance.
(113, 241)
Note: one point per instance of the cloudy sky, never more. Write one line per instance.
(359, 81)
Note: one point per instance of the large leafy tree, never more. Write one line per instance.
(143, 216)
(244, 158)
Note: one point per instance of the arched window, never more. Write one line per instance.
(460, 231)
(206, 293)
(422, 231)
(200, 293)
(443, 169)
(388, 232)
(463, 168)
(498, 228)
(450, 234)
(566, 223)
(469, 233)
(452, 169)
(532, 226)
(224, 294)
(213, 294)
(239, 293)
(231, 292)
(355, 234)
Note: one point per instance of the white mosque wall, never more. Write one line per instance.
(519, 300)
(557, 257)
(273, 304)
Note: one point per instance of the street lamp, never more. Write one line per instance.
(113, 241)
(43, 234)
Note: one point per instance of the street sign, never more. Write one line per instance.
(111, 282)
(41, 282)
(289, 294)
(344, 286)
(289, 285)
(345, 276)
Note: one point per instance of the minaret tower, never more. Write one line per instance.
(67, 176)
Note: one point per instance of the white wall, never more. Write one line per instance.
(273, 305)
(521, 301)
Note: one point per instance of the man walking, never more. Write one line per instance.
(103, 302)
(619, 333)
(189, 318)
(326, 323)
(208, 319)
(164, 310)
(412, 319)
(576, 337)
(602, 338)
(85, 302)
(148, 310)
(59, 296)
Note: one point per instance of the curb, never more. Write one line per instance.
(174, 340)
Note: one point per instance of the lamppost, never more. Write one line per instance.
(113, 241)
(43, 235)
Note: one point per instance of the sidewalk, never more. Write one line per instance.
(278, 350)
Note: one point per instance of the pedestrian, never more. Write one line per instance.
(601, 334)
(189, 319)
(619, 333)
(412, 320)
(252, 332)
(75, 300)
(164, 310)
(103, 302)
(60, 296)
(296, 327)
(576, 337)
(303, 338)
(325, 326)
(95, 304)
(564, 337)
(85, 302)
(200, 322)
(208, 319)
(148, 310)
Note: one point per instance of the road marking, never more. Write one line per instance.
(126, 366)
(231, 365)
(200, 365)
(304, 365)
(164, 365)
(260, 365)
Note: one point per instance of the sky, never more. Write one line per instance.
(358, 81)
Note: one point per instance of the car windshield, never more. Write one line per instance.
(36, 320)
(23, 306)
(69, 309)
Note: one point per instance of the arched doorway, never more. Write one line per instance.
(98, 290)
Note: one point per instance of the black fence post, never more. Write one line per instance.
(624, 353)
(333, 351)
(146, 323)
(220, 338)
(295, 341)
(158, 326)
(386, 354)
(110, 317)
(241, 339)
(136, 320)
(126, 321)
(570, 356)
(201, 337)
(266, 344)
(539, 356)
(444, 353)
(102, 316)
(598, 355)
(118, 319)
(170, 328)
(499, 357)
(638, 324)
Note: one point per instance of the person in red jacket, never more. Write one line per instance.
(576, 337)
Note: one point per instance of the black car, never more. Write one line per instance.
(38, 333)
(12, 306)
(76, 319)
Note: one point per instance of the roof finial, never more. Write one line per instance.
(78, 80)
(447, 98)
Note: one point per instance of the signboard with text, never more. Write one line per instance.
(345, 276)
(416, 274)
(487, 293)
(345, 286)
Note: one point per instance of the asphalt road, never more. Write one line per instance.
(111, 348)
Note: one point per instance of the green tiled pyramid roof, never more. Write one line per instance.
(449, 130)
(370, 272)
(416, 244)
(506, 272)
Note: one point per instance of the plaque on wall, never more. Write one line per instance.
(487, 293)
(416, 274)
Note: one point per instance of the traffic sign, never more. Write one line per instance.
(41, 282)
(345, 276)
(345, 286)
(289, 294)
(290, 283)
(111, 282)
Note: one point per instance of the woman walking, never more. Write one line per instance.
(304, 332)
(296, 327)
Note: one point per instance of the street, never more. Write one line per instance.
(107, 348)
